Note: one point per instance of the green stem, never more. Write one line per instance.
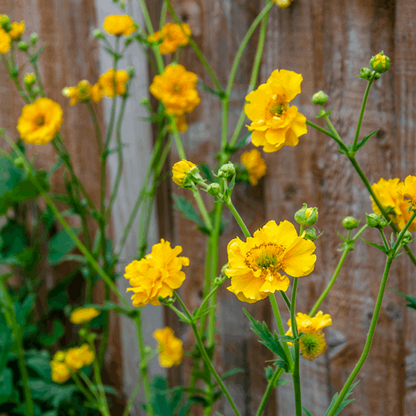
(132, 397)
(143, 367)
(198, 52)
(360, 119)
(280, 327)
(296, 372)
(286, 299)
(234, 68)
(346, 250)
(238, 218)
(269, 389)
(253, 78)
(163, 15)
(202, 208)
(205, 356)
(96, 127)
(18, 337)
(89, 396)
(328, 133)
(177, 137)
(64, 224)
(207, 284)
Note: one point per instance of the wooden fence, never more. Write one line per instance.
(327, 42)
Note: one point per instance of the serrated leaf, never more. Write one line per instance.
(410, 299)
(187, 210)
(344, 402)
(364, 141)
(379, 246)
(268, 339)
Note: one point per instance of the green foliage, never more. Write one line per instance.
(60, 245)
(187, 210)
(306, 411)
(344, 402)
(410, 299)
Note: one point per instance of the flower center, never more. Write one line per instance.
(40, 121)
(176, 89)
(278, 109)
(266, 257)
(312, 345)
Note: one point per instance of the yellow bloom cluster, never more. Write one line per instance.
(119, 25)
(106, 82)
(180, 170)
(40, 121)
(170, 348)
(255, 165)
(391, 193)
(158, 274)
(254, 265)
(176, 89)
(81, 315)
(66, 362)
(17, 30)
(172, 36)
(312, 344)
(5, 41)
(274, 123)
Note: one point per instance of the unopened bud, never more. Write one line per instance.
(310, 234)
(98, 34)
(227, 170)
(214, 189)
(373, 220)
(23, 46)
(365, 73)
(306, 216)
(34, 38)
(383, 222)
(145, 101)
(380, 63)
(407, 238)
(147, 350)
(350, 223)
(29, 80)
(283, 4)
(130, 71)
(319, 98)
(83, 333)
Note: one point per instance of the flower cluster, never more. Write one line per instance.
(254, 266)
(158, 274)
(171, 37)
(82, 315)
(40, 121)
(119, 25)
(180, 170)
(312, 343)
(83, 92)
(255, 165)
(65, 363)
(176, 89)
(274, 123)
(391, 194)
(9, 32)
(170, 348)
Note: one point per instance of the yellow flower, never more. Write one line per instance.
(180, 170)
(170, 348)
(5, 41)
(97, 92)
(176, 89)
(17, 30)
(255, 165)
(29, 79)
(173, 36)
(254, 265)
(158, 274)
(59, 356)
(119, 25)
(274, 123)
(86, 354)
(60, 372)
(408, 189)
(390, 195)
(82, 92)
(283, 4)
(81, 315)
(312, 344)
(106, 82)
(40, 121)
(74, 359)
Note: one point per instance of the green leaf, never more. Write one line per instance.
(344, 402)
(232, 372)
(13, 242)
(207, 172)
(6, 340)
(6, 385)
(50, 339)
(379, 246)
(271, 341)
(364, 141)
(306, 411)
(40, 363)
(60, 245)
(22, 309)
(410, 299)
(187, 210)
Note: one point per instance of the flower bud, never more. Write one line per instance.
(23, 46)
(98, 34)
(147, 350)
(319, 98)
(380, 63)
(283, 4)
(383, 222)
(310, 234)
(130, 71)
(29, 80)
(350, 223)
(218, 281)
(145, 101)
(227, 170)
(407, 238)
(19, 162)
(5, 22)
(365, 73)
(122, 5)
(306, 216)
(373, 220)
(83, 333)
(34, 38)
(214, 189)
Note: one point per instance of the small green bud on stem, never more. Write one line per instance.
(226, 171)
(380, 63)
(306, 216)
(214, 189)
(350, 223)
(319, 98)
